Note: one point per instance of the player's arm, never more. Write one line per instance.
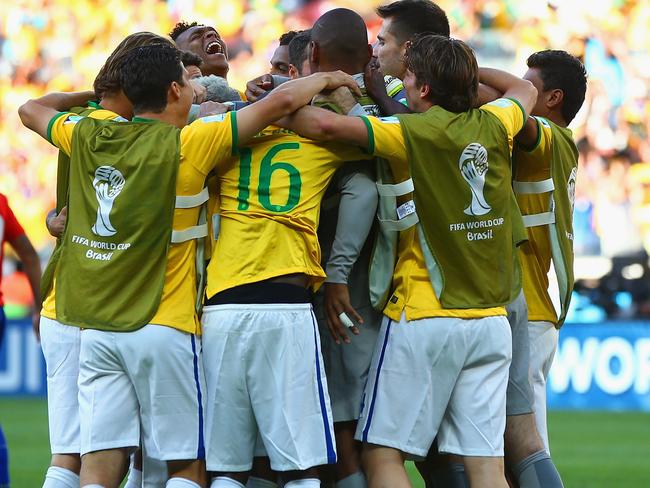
(36, 114)
(286, 99)
(529, 135)
(32, 268)
(323, 125)
(511, 86)
(487, 94)
(356, 215)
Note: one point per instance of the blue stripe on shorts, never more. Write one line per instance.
(374, 389)
(331, 453)
(200, 454)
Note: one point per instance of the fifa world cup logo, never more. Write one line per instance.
(108, 184)
(473, 165)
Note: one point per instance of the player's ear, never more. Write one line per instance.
(174, 92)
(425, 91)
(554, 98)
(293, 72)
(314, 53)
(369, 55)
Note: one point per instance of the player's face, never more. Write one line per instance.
(413, 92)
(389, 51)
(207, 43)
(187, 92)
(539, 109)
(280, 61)
(193, 72)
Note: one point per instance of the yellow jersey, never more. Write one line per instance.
(203, 144)
(49, 303)
(535, 255)
(413, 293)
(271, 192)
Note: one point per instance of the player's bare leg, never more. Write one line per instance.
(63, 471)
(348, 464)
(485, 472)
(526, 456)
(300, 479)
(384, 467)
(192, 470)
(262, 476)
(104, 468)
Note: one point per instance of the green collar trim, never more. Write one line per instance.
(50, 124)
(235, 133)
(371, 136)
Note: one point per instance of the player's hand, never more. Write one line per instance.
(337, 301)
(373, 78)
(212, 108)
(258, 87)
(199, 91)
(340, 100)
(335, 79)
(56, 223)
(36, 325)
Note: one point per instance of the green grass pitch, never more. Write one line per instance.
(591, 449)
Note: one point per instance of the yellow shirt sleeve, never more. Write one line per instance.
(541, 151)
(386, 140)
(60, 130)
(509, 112)
(208, 140)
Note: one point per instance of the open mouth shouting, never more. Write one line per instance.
(214, 47)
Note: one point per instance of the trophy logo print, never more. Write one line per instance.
(108, 184)
(473, 165)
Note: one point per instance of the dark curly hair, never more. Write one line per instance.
(181, 27)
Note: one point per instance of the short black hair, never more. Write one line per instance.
(298, 49)
(181, 27)
(561, 71)
(190, 59)
(287, 37)
(412, 17)
(146, 74)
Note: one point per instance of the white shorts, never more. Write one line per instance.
(60, 345)
(347, 365)
(519, 396)
(442, 377)
(264, 373)
(543, 344)
(147, 383)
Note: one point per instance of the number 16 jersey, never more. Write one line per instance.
(271, 191)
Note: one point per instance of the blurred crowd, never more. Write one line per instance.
(48, 45)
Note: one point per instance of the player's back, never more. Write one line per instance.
(271, 192)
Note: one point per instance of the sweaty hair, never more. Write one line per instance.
(190, 59)
(287, 37)
(107, 81)
(561, 71)
(342, 36)
(410, 17)
(298, 49)
(180, 28)
(448, 66)
(146, 74)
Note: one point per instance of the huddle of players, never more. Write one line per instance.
(431, 376)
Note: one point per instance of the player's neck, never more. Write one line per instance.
(118, 105)
(556, 118)
(166, 116)
(349, 68)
